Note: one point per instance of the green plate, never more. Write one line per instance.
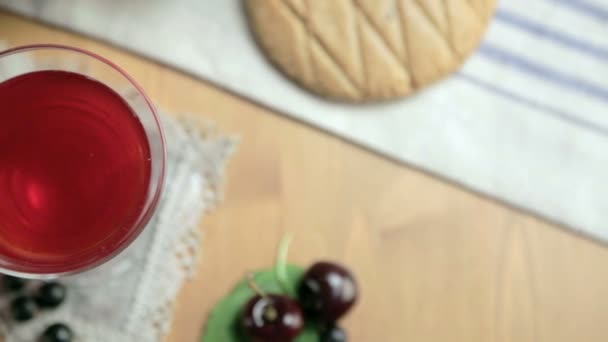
(222, 325)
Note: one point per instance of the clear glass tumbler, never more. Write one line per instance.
(24, 251)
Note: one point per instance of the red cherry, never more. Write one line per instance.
(272, 318)
(327, 291)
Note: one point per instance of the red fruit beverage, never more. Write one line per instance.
(74, 170)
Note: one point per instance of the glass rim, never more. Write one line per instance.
(149, 209)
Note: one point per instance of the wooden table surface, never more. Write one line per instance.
(435, 262)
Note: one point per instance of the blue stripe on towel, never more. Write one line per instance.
(543, 72)
(533, 104)
(585, 7)
(538, 29)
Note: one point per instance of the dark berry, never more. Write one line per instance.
(57, 332)
(51, 295)
(23, 308)
(334, 334)
(272, 318)
(327, 291)
(13, 283)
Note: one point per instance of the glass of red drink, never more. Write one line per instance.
(82, 160)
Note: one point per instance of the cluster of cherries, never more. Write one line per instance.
(47, 296)
(326, 292)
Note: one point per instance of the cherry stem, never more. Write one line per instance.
(281, 266)
(254, 286)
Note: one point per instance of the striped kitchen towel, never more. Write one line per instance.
(525, 120)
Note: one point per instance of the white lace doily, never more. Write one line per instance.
(131, 298)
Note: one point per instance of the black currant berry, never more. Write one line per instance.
(13, 283)
(51, 295)
(334, 334)
(23, 308)
(57, 332)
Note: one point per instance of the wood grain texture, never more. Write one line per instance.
(435, 262)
